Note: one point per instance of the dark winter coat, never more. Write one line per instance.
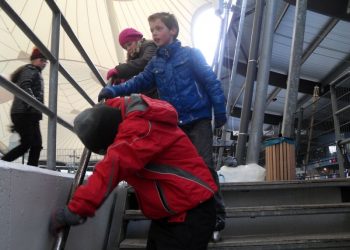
(146, 153)
(184, 79)
(136, 64)
(28, 78)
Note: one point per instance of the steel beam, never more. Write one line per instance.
(262, 84)
(294, 70)
(249, 83)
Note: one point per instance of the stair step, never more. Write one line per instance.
(276, 242)
(307, 211)
(287, 184)
(246, 186)
(261, 211)
(284, 210)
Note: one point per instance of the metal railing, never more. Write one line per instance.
(331, 126)
(52, 54)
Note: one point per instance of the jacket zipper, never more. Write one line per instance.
(163, 200)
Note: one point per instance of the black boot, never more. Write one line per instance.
(219, 226)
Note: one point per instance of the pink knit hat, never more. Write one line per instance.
(129, 35)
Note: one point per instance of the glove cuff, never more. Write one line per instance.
(72, 218)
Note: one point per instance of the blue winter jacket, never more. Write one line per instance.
(184, 79)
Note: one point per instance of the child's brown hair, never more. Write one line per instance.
(168, 19)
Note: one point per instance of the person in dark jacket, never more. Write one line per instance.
(142, 144)
(185, 80)
(139, 52)
(25, 118)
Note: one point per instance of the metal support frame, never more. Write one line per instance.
(298, 136)
(20, 93)
(315, 100)
(30, 34)
(218, 60)
(64, 23)
(53, 86)
(57, 21)
(62, 236)
(223, 34)
(249, 83)
(233, 76)
(338, 138)
(26, 30)
(262, 84)
(276, 90)
(294, 69)
(75, 85)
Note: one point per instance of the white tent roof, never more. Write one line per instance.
(96, 23)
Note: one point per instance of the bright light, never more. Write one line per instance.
(206, 31)
(332, 149)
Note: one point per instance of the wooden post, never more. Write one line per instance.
(280, 159)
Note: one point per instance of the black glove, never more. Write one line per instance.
(106, 93)
(63, 217)
(220, 120)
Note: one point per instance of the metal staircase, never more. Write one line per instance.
(312, 214)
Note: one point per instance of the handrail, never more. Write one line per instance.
(341, 78)
(344, 141)
(75, 41)
(62, 236)
(26, 30)
(13, 88)
(20, 93)
(49, 54)
(30, 34)
(70, 79)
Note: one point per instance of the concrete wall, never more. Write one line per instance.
(28, 195)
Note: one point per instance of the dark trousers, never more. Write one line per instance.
(28, 128)
(201, 134)
(192, 234)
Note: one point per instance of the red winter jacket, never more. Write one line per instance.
(152, 154)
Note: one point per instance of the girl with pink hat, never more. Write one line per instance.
(139, 52)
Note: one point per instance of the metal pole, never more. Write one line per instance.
(297, 140)
(294, 69)
(249, 83)
(233, 76)
(236, 57)
(75, 85)
(224, 25)
(62, 236)
(338, 137)
(262, 84)
(26, 30)
(315, 99)
(53, 86)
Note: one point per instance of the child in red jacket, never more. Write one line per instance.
(144, 146)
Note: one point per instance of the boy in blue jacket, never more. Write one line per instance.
(184, 79)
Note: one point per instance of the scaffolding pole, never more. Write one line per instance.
(254, 143)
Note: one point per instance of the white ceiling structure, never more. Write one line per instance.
(96, 24)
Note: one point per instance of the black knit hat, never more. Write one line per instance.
(97, 127)
(36, 53)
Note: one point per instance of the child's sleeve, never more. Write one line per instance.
(206, 76)
(144, 81)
